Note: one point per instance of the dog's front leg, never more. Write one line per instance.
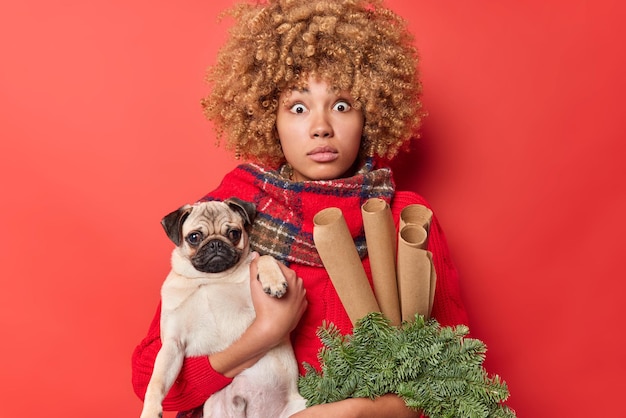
(167, 365)
(271, 277)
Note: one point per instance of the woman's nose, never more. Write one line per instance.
(321, 127)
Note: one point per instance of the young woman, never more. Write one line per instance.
(317, 95)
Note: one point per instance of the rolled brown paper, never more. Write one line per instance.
(414, 270)
(416, 214)
(341, 259)
(433, 283)
(380, 235)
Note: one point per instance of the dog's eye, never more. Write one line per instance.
(234, 235)
(194, 238)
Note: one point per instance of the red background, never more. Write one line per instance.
(521, 157)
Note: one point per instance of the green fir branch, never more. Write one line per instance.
(436, 370)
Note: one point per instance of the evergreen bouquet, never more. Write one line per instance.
(436, 370)
(394, 346)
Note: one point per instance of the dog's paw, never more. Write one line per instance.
(271, 277)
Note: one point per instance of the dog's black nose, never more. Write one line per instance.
(216, 245)
(215, 256)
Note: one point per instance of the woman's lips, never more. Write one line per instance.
(323, 154)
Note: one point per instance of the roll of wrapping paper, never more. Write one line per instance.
(415, 273)
(416, 214)
(420, 215)
(380, 235)
(343, 264)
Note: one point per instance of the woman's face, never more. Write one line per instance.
(319, 131)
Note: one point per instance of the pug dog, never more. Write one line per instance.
(206, 306)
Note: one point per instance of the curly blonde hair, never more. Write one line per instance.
(276, 45)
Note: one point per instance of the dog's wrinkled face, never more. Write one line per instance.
(212, 235)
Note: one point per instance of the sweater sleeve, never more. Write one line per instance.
(448, 307)
(195, 383)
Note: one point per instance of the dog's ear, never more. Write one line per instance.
(173, 224)
(247, 210)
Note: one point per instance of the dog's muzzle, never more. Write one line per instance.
(215, 256)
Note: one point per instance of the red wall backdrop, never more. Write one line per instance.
(522, 158)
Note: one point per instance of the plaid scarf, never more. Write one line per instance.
(283, 226)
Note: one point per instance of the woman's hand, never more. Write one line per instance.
(277, 317)
(387, 406)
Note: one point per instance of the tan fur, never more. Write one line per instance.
(204, 313)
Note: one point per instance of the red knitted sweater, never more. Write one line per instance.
(284, 228)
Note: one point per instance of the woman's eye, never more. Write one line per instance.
(194, 238)
(298, 108)
(342, 106)
(234, 235)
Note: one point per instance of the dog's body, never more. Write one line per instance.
(206, 306)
